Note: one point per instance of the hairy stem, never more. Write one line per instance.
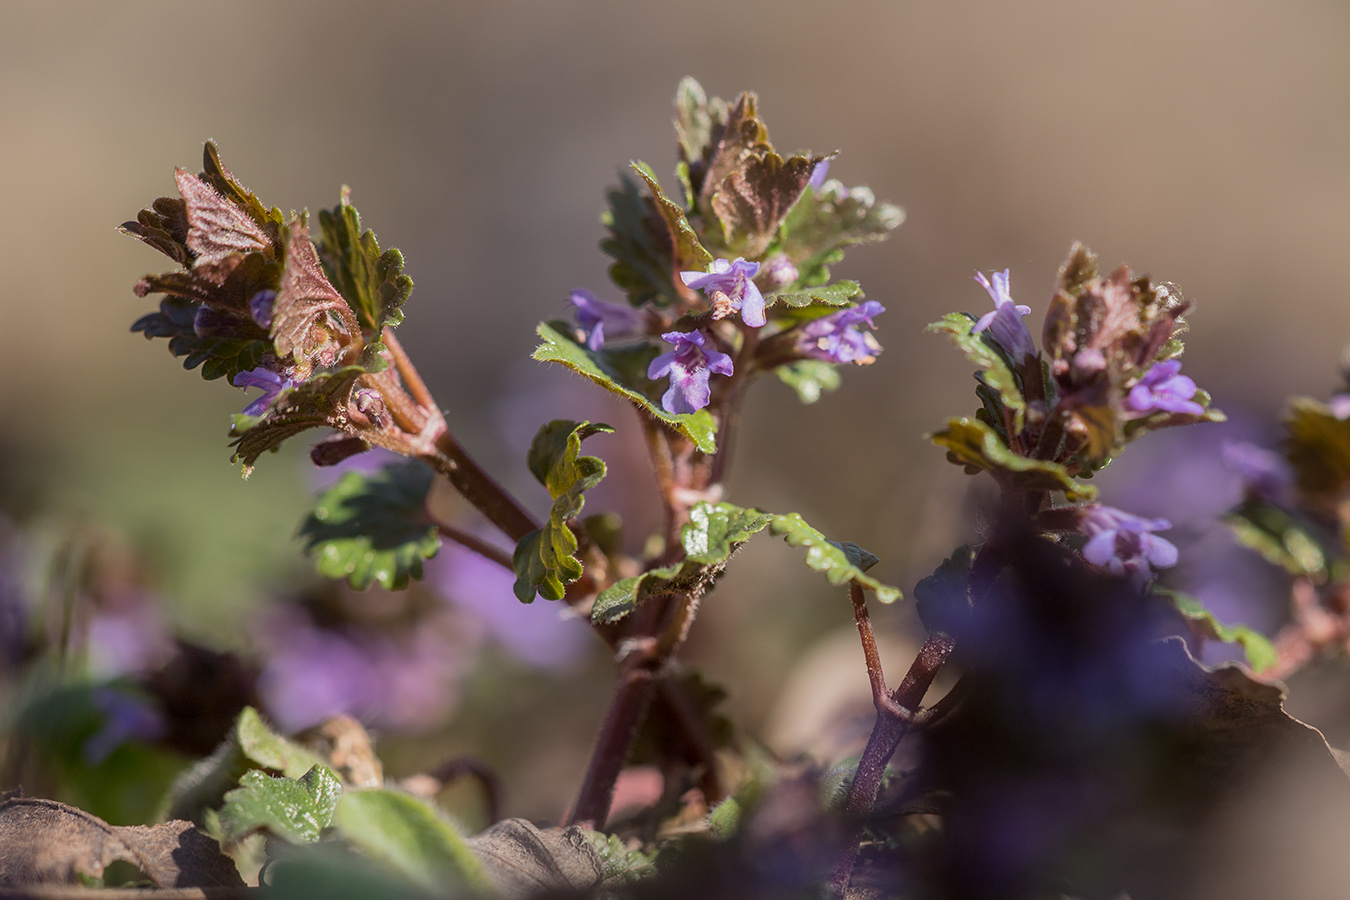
(479, 488)
(632, 695)
(476, 544)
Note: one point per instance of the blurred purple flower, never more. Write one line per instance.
(1340, 406)
(779, 272)
(260, 307)
(1265, 474)
(1163, 389)
(125, 717)
(727, 284)
(593, 315)
(1124, 543)
(837, 337)
(271, 383)
(399, 682)
(126, 638)
(542, 635)
(689, 366)
(1005, 322)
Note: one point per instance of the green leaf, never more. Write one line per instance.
(560, 348)
(712, 535)
(219, 357)
(621, 865)
(251, 744)
(544, 560)
(841, 293)
(297, 810)
(1318, 446)
(809, 377)
(698, 125)
(687, 254)
(995, 372)
(372, 282)
(975, 444)
(840, 563)
(373, 527)
(639, 244)
(827, 220)
(1261, 653)
(410, 837)
(942, 600)
(1279, 537)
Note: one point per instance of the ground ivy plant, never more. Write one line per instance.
(1079, 721)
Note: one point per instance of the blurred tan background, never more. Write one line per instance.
(1203, 142)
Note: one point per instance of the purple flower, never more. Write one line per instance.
(688, 366)
(729, 287)
(1265, 474)
(260, 307)
(1005, 322)
(1163, 389)
(593, 315)
(125, 717)
(818, 174)
(271, 384)
(779, 271)
(1124, 543)
(837, 337)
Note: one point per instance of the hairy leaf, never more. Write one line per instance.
(976, 445)
(321, 401)
(742, 136)
(219, 232)
(310, 319)
(215, 174)
(251, 744)
(372, 282)
(699, 124)
(712, 535)
(373, 527)
(827, 220)
(687, 254)
(544, 560)
(560, 348)
(296, 810)
(841, 293)
(757, 195)
(1261, 653)
(809, 377)
(524, 860)
(621, 865)
(639, 243)
(410, 837)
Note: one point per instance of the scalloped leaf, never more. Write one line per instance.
(840, 563)
(755, 197)
(561, 348)
(372, 282)
(373, 527)
(714, 532)
(251, 744)
(688, 253)
(219, 177)
(315, 403)
(1318, 446)
(544, 560)
(1279, 537)
(410, 837)
(639, 244)
(995, 372)
(219, 357)
(311, 321)
(809, 378)
(296, 810)
(975, 444)
(841, 293)
(830, 218)
(1261, 653)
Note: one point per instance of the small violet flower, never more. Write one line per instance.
(729, 287)
(1125, 544)
(271, 384)
(1340, 406)
(779, 272)
(593, 315)
(1163, 389)
(838, 338)
(1005, 322)
(1265, 474)
(260, 307)
(689, 365)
